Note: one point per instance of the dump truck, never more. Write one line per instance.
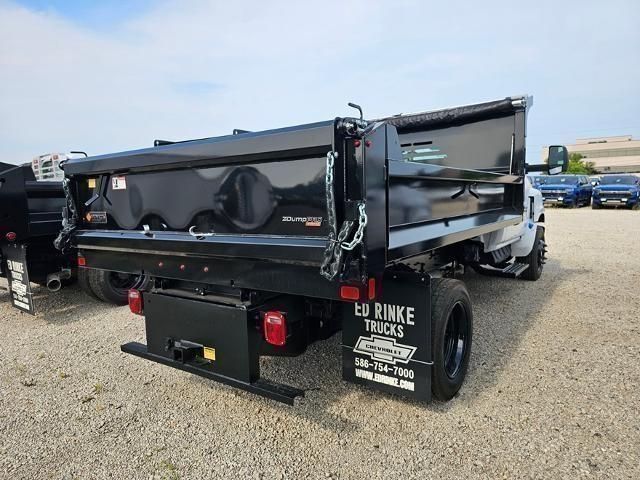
(261, 243)
(30, 220)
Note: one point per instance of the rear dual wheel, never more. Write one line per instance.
(108, 286)
(451, 336)
(83, 281)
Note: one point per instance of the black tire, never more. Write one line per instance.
(83, 281)
(451, 336)
(536, 258)
(113, 287)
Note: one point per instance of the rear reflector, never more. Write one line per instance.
(275, 328)
(135, 301)
(349, 292)
(82, 262)
(372, 288)
(11, 236)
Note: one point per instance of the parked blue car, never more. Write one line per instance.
(617, 191)
(537, 180)
(569, 190)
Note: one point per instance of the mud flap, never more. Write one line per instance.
(18, 277)
(387, 343)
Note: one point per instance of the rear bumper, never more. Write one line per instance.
(214, 340)
(265, 388)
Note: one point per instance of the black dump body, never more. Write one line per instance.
(30, 217)
(30, 220)
(252, 210)
(28, 208)
(262, 243)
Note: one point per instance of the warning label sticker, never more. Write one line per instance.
(96, 217)
(119, 183)
(209, 353)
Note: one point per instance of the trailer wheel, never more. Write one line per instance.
(113, 287)
(536, 258)
(83, 281)
(451, 335)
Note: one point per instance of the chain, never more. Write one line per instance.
(69, 220)
(328, 269)
(337, 244)
(362, 223)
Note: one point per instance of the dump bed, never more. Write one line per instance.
(345, 197)
(30, 218)
(28, 208)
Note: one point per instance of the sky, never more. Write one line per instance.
(106, 76)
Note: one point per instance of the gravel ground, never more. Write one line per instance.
(552, 392)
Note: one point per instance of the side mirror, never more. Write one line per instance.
(558, 159)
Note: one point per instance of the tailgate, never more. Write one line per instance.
(256, 195)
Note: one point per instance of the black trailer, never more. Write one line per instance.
(262, 243)
(30, 220)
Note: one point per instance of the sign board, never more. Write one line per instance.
(387, 343)
(18, 277)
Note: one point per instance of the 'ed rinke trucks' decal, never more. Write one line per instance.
(18, 277)
(386, 343)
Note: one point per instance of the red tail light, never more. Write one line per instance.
(275, 328)
(349, 292)
(11, 236)
(82, 262)
(135, 301)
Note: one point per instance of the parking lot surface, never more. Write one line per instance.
(553, 389)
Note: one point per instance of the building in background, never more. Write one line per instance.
(619, 154)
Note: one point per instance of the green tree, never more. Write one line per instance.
(579, 166)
